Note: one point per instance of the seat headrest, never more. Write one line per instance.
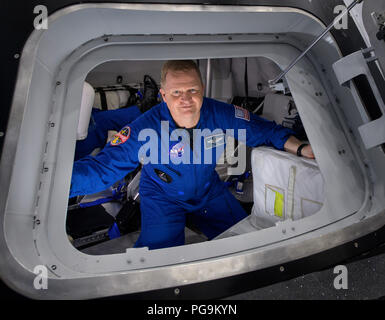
(276, 107)
(87, 102)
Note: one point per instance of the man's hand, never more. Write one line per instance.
(292, 144)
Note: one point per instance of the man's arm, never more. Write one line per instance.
(119, 157)
(260, 131)
(263, 132)
(292, 144)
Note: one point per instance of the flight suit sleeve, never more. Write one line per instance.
(119, 157)
(259, 131)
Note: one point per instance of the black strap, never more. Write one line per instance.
(299, 150)
(103, 99)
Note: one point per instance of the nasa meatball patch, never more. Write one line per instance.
(241, 113)
(121, 137)
(177, 150)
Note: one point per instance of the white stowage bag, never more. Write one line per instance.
(112, 98)
(285, 186)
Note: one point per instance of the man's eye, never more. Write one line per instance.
(176, 93)
(193, 91)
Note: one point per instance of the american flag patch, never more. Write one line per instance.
(241, 113)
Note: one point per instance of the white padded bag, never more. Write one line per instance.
(115, 99)
(285, 186)
(112, 98)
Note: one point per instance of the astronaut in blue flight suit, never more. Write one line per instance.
(171, 190)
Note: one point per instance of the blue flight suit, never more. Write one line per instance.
(189, 188)
(100, 123)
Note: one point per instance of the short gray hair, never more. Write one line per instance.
(178, 65)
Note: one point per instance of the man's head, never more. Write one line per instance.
(182, 90)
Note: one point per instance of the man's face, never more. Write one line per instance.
(183, 94)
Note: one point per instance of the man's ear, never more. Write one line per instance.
(163, 94)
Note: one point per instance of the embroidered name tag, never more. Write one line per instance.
(241, 113)
(214, 141)
(121, 137)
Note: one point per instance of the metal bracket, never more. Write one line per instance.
(280, 87)
(348, 68)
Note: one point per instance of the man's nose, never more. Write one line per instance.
(186, 95)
